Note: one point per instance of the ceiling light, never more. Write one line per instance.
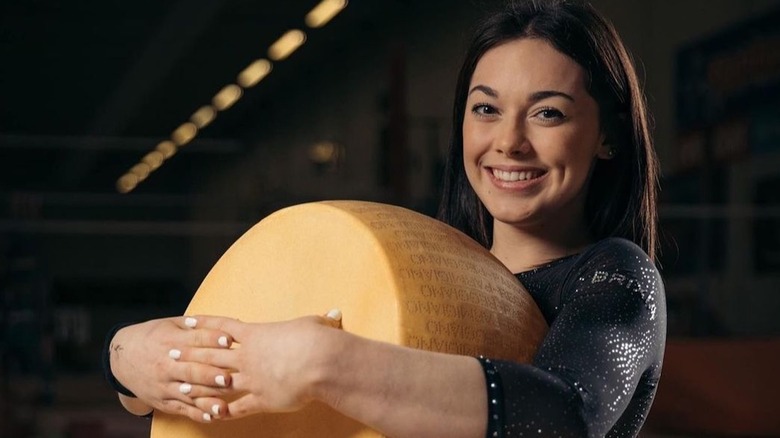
(184, 133)
(127, 182)
(226, 97)
(323, 152)
(287, 44)
(153, 159)
(254, 73)
(141, 170)
(324, 12)
(202, 117)
(167, 148)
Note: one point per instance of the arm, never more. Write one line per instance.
(404, 392)
(607, 337)
(399, 391)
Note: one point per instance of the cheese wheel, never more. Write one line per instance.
(397, 276)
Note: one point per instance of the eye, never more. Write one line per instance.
(484, 109)
(550, 115)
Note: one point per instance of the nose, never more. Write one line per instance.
(511, 139)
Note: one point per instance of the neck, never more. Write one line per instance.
(523, 248)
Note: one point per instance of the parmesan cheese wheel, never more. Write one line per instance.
(397, 276)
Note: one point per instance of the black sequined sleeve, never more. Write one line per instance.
(596, 371)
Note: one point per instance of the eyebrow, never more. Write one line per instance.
(541, 95)
(535, 97)
(485, 89)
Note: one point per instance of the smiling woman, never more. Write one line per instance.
(551, 168)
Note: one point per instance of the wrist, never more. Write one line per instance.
(110, 360)
(328, 363)
(496, 414)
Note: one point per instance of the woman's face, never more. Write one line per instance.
(531, 135)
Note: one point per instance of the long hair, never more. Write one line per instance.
(621, 198)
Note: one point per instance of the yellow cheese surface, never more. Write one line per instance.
(397, 276)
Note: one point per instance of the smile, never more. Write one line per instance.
(514, 176)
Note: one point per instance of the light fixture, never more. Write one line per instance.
(203, 116)
(326, 155)
(226, 97)
(127, 183)
(256, 71)
(324, 12)
(141, 170)
(323, 152)
(287, 44)
(153, 159)
(167, 148)
(184, 133)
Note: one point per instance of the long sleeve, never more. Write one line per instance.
(596, 371)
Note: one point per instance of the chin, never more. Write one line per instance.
(511, 216)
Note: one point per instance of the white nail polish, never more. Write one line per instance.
(222, 341)
(185, 388)
(190, 322)
(334, 314)
(206, 417)
(215, 409)
(220, 380)
(174, 354)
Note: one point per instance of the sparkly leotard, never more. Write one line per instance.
(597, 370)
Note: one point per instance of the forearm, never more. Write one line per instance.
(404, 392)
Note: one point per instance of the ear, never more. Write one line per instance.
(605, 151)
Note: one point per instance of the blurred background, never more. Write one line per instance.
(139, 139)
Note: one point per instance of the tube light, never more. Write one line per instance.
(203, 116)
(141, 170)
(226, 97)
(324, 12)
(284, 46)
(153, 159)
(184, 133)
(126, 183)
(167, 148)
(256, 71)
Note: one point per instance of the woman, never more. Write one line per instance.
(551, 167)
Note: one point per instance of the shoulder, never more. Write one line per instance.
(616, 246)
(616, 266)
(616, 254)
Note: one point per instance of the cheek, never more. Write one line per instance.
(469, 144)
(577, 164)
(475, 139)
(574, 150)
(471, 159)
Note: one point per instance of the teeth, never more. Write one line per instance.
(515, 176)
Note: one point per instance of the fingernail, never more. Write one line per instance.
(174, 354)
(185, 388)
(215, 409)
(222, 341)
(190, 322)
(206, 416)
(334, 314)
(220, 380)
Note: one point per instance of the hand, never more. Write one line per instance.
(144, 360)
(275, 366)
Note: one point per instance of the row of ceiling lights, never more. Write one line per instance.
(227, 96)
